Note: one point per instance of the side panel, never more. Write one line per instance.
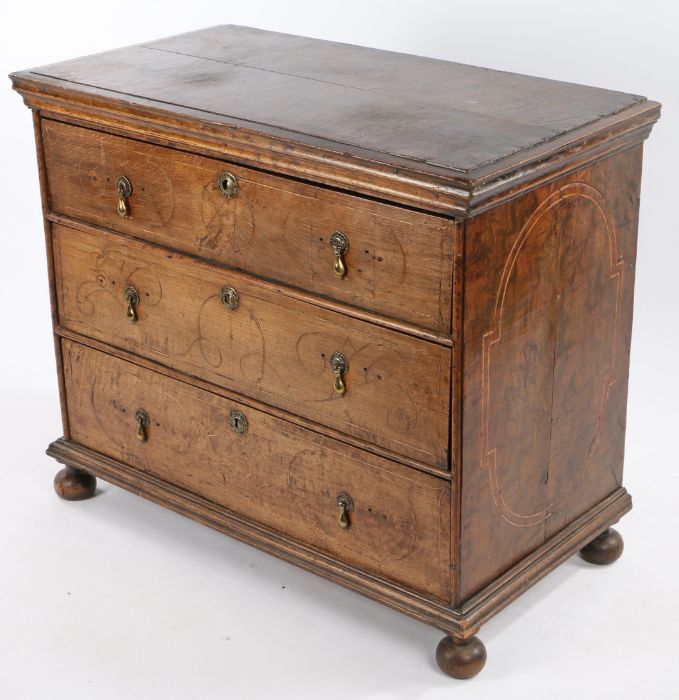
(44, 199)
(549, 282)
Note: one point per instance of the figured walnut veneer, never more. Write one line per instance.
(471, 437)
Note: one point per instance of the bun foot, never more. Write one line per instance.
(461, 658)
(74, 484)
(605, 549)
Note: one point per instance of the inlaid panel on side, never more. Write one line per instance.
(399, 262)
(275, 473)
(548, 290)
(271, 347)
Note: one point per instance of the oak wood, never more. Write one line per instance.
(219, 390)
(481, 439)
(462, 622)
(272, 348)
(276, 474)
(429, 133)
(399, 262)
(445, 194)
(310, 298)
(51, 277)
(342, 95)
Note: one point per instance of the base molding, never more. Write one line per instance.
(490, 600)
(462, 622)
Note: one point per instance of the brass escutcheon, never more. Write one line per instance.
(345, 505)
(340, 246)
(142, 420)
(124, 190)
(227, 184)
(238, 422)
(230, 298)
(339, 366)
(132, 301)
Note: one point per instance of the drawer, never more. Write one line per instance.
(399, 262)
(272, 347)
(282, 476)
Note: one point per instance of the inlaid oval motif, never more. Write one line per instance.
(233, 342)
(549, 355)
(228, 223)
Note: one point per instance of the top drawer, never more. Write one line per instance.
(398, 262)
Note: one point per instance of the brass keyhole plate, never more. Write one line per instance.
(227, 184)
(238, 422)
(230, 298)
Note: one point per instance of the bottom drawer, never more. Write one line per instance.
(264, 468)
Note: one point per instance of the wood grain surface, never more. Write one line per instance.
(272, 347)
(439, 136)
(277, 474)
(485, 315)
(399, 262)
(548, 309)
(420, 109)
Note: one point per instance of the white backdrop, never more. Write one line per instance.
(117, 598)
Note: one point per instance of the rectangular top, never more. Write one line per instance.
(438, 117)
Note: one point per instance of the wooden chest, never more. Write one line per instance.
(368, 312)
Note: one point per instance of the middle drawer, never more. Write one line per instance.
(251, 337)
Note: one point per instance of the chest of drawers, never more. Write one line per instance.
(368, 312)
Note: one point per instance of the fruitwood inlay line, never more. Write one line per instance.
(493, 336)
(385, 337)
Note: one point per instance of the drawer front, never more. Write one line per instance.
(271, 347)
(277, 474)
(399, 262)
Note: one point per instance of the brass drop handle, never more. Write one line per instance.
(340, 246)
(345, 505)
(142, 420)
(132, 301)
(124, 190)
(339, 366)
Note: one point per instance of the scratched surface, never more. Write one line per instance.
(273, 348)
(399, 262)
(277, 474)
(417, 109)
